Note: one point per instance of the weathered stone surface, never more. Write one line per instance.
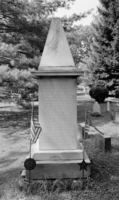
(56, 51)
(96, 109)
(58, 114)
(57, 144)
(56, 171)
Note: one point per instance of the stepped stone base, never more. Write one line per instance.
(53, 156)
(56, 171)
(59, 164)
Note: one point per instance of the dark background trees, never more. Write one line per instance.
(104, 52)
(23, 30)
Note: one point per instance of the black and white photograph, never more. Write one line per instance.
(59, 99)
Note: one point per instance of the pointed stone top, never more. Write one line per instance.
(56, 51)
(56, 59)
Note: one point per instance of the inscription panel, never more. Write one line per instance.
(58, 113)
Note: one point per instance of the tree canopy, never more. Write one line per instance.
(105, 43)
(23, 30)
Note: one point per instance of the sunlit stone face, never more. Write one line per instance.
(56, 51)
(57, 113)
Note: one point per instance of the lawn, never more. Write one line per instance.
(14, 147)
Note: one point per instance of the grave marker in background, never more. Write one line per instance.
(96, 109)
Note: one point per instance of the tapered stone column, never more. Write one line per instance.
(57, 77)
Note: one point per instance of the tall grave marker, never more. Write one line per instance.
(57, 150)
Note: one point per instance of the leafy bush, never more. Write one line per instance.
(117, 93)
(100, 83)
(99, 93)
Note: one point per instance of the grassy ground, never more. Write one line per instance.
(14, 147)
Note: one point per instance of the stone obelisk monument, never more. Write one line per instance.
(57, 151)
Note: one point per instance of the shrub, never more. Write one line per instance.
(117, 93)
(99, 93)
(100, 83)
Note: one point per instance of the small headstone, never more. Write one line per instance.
(96, 109)
(116, 119)
(115, 113)
(112, 115)
(108, 106)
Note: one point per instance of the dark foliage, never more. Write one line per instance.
(23, 30)
(117, 93)
(99, 93)
(105, 44)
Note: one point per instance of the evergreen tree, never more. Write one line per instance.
(78, 38)
(23, 30)
(105, 43)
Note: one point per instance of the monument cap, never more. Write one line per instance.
(57, 59)
(56, 51)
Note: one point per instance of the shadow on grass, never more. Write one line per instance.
(15, 119)
(16, 133)
(12, 187)
(115, 144)
(12, 159)
(8, 184)
(98, 120)
(104, 165)
(100, 186)
(13, 125)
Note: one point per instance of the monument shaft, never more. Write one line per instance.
(58, 113)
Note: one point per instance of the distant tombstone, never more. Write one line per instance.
(96, 109)
(116, 118)
(108, 106)
(116, 113)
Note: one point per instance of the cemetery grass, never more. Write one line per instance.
(14, 147)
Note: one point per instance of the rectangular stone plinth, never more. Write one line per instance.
(66, 167)
(58, 171)
(56, 156)
(58, 114)
(64, 164)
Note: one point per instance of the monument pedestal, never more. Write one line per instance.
(58, 164)
(53, 156)
(57, 152)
